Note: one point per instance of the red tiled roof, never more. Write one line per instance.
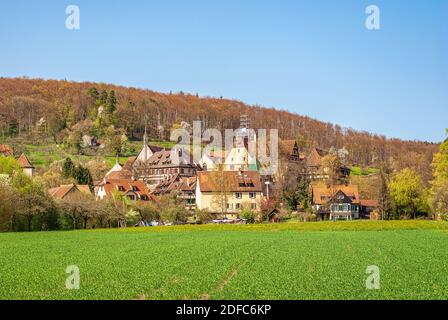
(6, 150)
(129, 163)
(125, 186)
(24, 162)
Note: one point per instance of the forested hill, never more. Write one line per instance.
(62, 104)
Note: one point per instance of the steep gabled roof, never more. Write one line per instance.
(24, 162)
(315, 156)
(287, 146)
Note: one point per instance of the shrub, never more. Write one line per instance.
(248, 215)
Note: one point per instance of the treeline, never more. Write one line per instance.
(48, 106)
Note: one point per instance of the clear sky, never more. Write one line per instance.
(314, 58)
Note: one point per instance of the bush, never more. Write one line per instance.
(248, 215)
(203, 216)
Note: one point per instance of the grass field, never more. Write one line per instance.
(285, 261)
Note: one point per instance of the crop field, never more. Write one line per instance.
(284, 261)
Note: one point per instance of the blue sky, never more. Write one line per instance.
(314, 58)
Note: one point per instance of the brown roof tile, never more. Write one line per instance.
(6, 150)
(322, 194)
(24, 162)
(176, 183)
(126, 185)
(235, 181)
(62, 191)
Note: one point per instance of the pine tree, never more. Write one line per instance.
(111, 103)
(103, 97)
(82, 176)
(94, 94)
(68, 168)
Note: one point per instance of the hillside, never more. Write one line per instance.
(62, 104)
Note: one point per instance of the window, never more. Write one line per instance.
(252, 195)
(238, 195)
(253, 206)
(238, 206)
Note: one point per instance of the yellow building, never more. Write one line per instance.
(227, 193)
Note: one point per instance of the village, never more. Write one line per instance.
(224, 186)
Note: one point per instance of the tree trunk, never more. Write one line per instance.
(30, 219)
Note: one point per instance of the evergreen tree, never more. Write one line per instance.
(103, 97)
(94, 94)
(303, 192)
(68, 168)
(111, 103)
(300, 197)
(82, 176)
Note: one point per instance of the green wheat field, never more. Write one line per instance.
(284, 261)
